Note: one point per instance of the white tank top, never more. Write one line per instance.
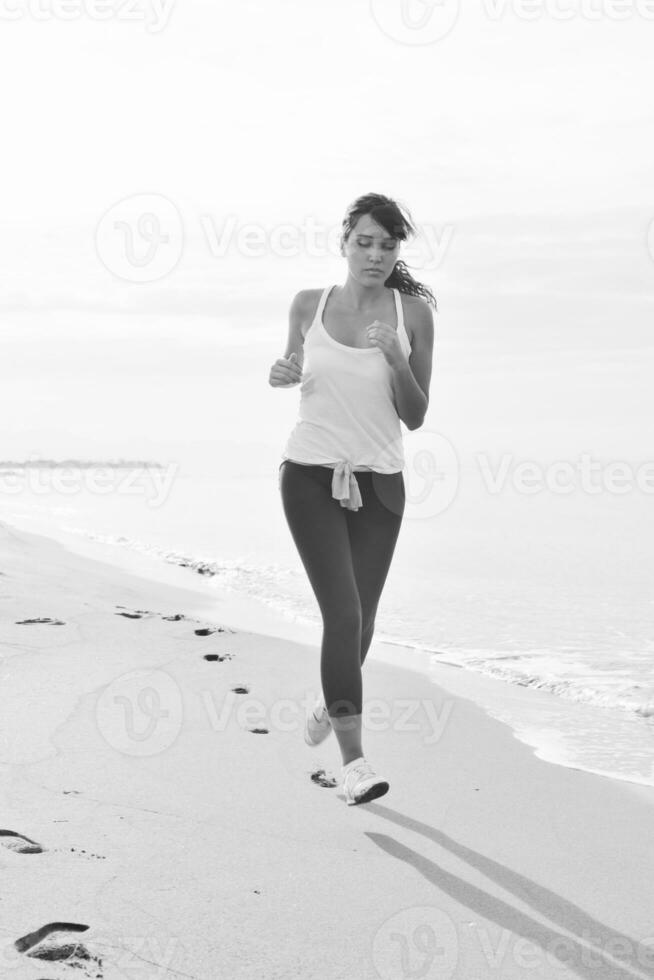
(347, 416)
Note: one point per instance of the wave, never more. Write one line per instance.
(622, 695)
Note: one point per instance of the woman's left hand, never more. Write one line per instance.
(383, 336)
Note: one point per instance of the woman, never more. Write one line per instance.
(368, 346)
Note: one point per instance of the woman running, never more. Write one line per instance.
(367, 348)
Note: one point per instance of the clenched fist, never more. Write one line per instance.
(285, 372)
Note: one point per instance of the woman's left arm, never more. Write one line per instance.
(411, 379)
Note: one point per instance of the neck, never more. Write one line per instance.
(360, 297)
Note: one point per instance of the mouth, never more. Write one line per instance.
(377, 272)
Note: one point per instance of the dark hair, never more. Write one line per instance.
(387, 213)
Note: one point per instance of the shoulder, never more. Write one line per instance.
(305, 299)
(417, 306)
(304, 308)
(418, 318)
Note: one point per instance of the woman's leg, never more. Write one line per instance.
(318, 525)
(373, 532)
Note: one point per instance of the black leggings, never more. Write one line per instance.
(346, 555)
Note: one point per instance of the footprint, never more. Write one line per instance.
(207, 631)
(259, 731)
(19, 843)
(174, 619)
(241, 690)
(43, 619)
(322, 779)
(27, 942)
(218, 656)
(134, 613)
(74, 954)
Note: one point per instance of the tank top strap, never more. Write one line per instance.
(321, 304)
(401, 329)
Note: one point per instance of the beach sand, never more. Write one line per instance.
(167, 802)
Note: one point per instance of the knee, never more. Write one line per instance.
(368, 623)
(346, 618)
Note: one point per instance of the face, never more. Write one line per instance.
(369, 246)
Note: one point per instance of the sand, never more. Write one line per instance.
(172, 823)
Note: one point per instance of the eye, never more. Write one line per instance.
(365, 242)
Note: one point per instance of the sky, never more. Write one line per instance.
(142, 149)
(287, 108)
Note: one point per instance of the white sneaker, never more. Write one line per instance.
(317, 725)
(361, 784)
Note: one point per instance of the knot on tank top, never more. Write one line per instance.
(345, 487)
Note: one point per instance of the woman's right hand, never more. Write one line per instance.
(285, 372)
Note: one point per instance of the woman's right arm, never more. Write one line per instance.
(287, 370)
